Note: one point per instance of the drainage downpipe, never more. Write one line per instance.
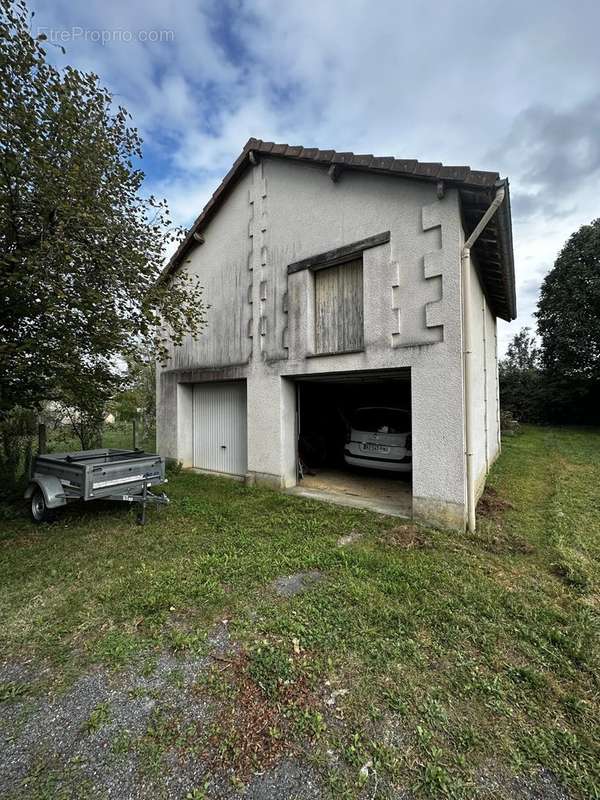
(468, 349)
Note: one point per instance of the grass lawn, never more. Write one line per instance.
(413, 663)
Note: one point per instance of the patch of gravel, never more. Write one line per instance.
(93, 738)
(59, 728)
(394, 731)
(540, 785)
(393, 793)
(56, 731)
(291, 779)
(349, 538)
(18, 672)
(220, 641)
(186, 773)
(289, 585)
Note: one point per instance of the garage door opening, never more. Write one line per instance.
(355, 440)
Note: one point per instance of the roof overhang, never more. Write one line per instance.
(493, 250)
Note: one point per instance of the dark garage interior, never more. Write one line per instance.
(329, 407)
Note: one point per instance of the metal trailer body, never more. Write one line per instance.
(126, 475)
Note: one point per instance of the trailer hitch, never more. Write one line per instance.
(146, 498)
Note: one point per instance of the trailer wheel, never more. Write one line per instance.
(39, 510)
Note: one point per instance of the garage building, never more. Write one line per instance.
(350, 351)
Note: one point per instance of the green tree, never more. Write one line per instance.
(568, 318)
(521, 382)
(568, 314)
(81, 247)
(522, 354)
(138, 399)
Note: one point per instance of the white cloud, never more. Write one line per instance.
(500, 85)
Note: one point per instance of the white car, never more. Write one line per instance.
(380, 438)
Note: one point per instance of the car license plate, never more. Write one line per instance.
(375, 448)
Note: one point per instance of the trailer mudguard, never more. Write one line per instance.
(54, 494)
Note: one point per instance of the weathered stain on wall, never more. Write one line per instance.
(221, 264)
(270, 271)
(262, 324)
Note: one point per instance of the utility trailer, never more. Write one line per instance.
(125, 475)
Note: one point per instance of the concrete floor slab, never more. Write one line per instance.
(375, 492)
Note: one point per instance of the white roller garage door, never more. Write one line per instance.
(220, 442)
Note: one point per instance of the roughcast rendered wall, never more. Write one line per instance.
(260, 324)
(484, 400)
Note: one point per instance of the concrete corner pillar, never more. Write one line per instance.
(439, 482)
(185, 424)
(271, 430)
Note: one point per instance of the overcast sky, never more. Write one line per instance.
(507, 86)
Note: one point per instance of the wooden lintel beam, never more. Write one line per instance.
(346, 252)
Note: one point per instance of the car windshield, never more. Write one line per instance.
(381, 420)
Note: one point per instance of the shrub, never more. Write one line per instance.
(17, 431)
(508, 424)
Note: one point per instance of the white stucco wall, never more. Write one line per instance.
(260, 326)
(484, 390)
(221, 265)
(493, 408)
